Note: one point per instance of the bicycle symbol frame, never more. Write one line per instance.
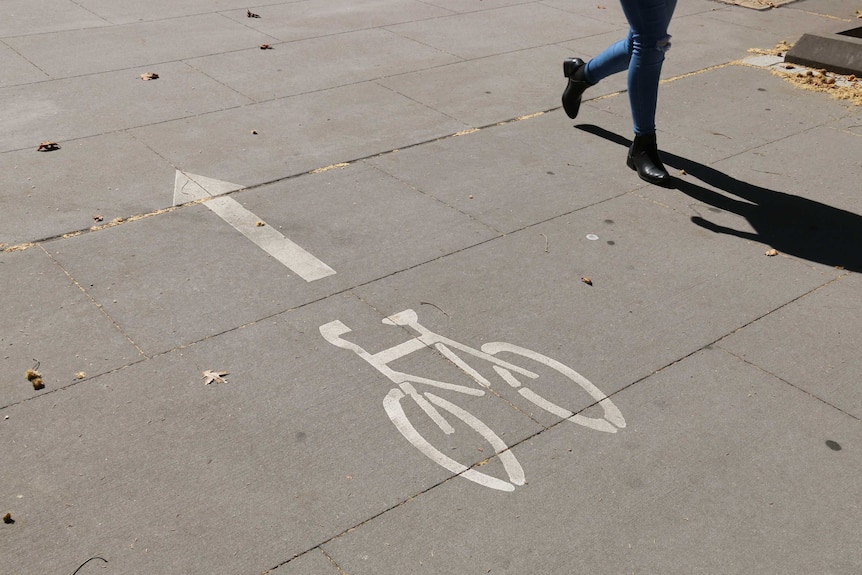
(431, 404)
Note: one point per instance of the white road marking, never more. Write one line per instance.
(611, 421)
(191, 187)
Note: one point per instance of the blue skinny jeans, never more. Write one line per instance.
(642, 54)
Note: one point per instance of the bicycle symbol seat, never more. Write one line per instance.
(431, 404)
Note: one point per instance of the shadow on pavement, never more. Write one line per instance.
(791, 224)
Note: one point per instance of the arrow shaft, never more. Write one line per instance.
(301, 262)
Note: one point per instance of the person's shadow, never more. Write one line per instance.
(790, 224)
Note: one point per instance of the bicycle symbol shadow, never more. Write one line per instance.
(432, 404)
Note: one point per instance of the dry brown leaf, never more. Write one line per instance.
(7, 519)
(251, 14)
(210, 376)
(265, 47)
(771, 253)
(149, 76)
(98, 218)
(35, 378)
(80, 375)
(48, 146)
(587, 280)
(683, 173)
(260, 224)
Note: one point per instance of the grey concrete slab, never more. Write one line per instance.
(294, 459)
(613, 12)
(599, 124)
(49, 194)
(289, 21)
(786, 23)
(217, 280)
(722, 469)
(463, 7)
(845, 9)
(812, 344)
(314, 562)
(131, 12)
(363, 223)
(702, 40)
(765, 109)
(86, 106)
(150, 466)
(20, 17)
(487, 32)
(514, 175)
(48, 320)
(17, 70)
(770, 202)
(852, 123)
(640, 314)
(319, 63)
(94, 50)
(296, 134)
(489, 90)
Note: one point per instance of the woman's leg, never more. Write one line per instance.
(649, 20)
(615, 58)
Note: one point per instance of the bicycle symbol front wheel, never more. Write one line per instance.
(395, 411)
(613, 419)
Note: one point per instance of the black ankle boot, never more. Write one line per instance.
(643, 157)
(573, 69)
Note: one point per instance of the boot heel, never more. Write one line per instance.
(570, 65)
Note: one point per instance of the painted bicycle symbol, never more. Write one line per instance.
(432, 404)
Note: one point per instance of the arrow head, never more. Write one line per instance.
(192, 187)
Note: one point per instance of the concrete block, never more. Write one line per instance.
(841, 53)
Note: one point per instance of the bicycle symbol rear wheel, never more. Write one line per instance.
(613, 419)
(395, 411)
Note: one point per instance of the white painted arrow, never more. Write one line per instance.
(191, 187)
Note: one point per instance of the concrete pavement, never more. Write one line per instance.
(701, 399)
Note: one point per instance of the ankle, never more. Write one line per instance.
(580, 75)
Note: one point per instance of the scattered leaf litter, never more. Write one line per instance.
(780, 49)
(839, 86)
(210, 376)
(34, 377)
